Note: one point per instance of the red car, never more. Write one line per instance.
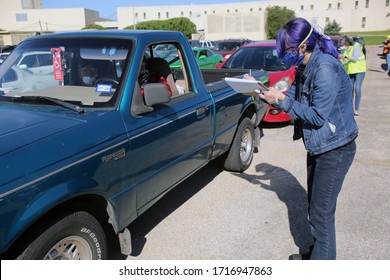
(263, 55)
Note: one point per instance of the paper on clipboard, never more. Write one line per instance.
(244, 86)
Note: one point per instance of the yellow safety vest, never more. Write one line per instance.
(358, 66)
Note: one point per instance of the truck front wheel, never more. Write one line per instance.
(240, 155)
(76, 236)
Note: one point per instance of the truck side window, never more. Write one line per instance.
(164, 63)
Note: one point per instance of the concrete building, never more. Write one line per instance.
(21, 18)
(247, 19)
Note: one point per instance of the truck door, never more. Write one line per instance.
(173, 139)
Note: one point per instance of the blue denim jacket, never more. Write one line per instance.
(326, 106)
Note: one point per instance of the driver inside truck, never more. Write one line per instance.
(87, 74)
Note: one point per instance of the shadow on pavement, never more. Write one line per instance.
(290, 192)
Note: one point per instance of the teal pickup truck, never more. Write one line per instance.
(95, 128)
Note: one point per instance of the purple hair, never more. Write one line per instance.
(296, 32)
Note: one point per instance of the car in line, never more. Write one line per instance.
(5, 52)
(228, 46)
(206, 44)
(81, 162)
(205, 57)
(263, 55)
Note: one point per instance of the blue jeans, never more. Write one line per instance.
(388, 61)
(357, 81)
(325, 176)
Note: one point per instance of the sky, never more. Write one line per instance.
(107, 8)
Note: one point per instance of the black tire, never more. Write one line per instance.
(77, 236)
(240, 155)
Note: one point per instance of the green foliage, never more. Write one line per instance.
(332, 28)
(94, 26)
(276, 17)
(181, 24)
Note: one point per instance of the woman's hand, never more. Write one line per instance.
(272, 96)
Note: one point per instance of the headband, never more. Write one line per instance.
(307, 37)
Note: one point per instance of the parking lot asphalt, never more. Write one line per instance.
(261, 214)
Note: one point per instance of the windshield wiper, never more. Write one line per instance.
(62, 103)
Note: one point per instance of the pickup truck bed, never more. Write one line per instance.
(93, 138)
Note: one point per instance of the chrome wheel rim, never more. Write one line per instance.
(246, 145)
(70, 248)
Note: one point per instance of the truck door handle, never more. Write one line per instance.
(201, 112)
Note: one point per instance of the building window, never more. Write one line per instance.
(144, 16)
(251, 9)
(21, 17)
(190, 13)
(329, 6)
(339, 6)
(327, 20)
(227, 11)
(182, 13)
(27, 4)
(167, 14)
(205, 12)
(214, 12)
(159, 15)
(363, 22)
(387, 3)
(302, 7)
(236, 10)
(367, 3)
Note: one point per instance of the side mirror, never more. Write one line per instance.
(156, 93)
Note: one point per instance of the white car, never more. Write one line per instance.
(206, 44)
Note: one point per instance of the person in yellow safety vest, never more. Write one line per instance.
(354, 61)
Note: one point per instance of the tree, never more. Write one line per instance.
(332, 28)
(276, 17)
(181, 24)
(94, 26)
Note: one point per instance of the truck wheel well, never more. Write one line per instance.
(93, 204)
(250, 113)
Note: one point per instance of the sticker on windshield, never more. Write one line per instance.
(57, 64)
(104, 88)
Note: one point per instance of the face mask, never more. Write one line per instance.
(88, 80)
(293, 59)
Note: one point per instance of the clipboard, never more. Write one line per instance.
(247, 87)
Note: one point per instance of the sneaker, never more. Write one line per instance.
(295, 257)
(356, 113)
(300, 257)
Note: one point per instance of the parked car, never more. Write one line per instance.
(207, 44)
(204, 56)
(3, 56)
(263, 55)
(5, 51)
(228, 46)
(195, 43)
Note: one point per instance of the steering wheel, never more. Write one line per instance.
(106, 81)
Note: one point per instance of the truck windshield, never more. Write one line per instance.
(85, 71)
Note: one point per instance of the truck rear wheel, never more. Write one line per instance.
(240, 155)
(77, 236)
